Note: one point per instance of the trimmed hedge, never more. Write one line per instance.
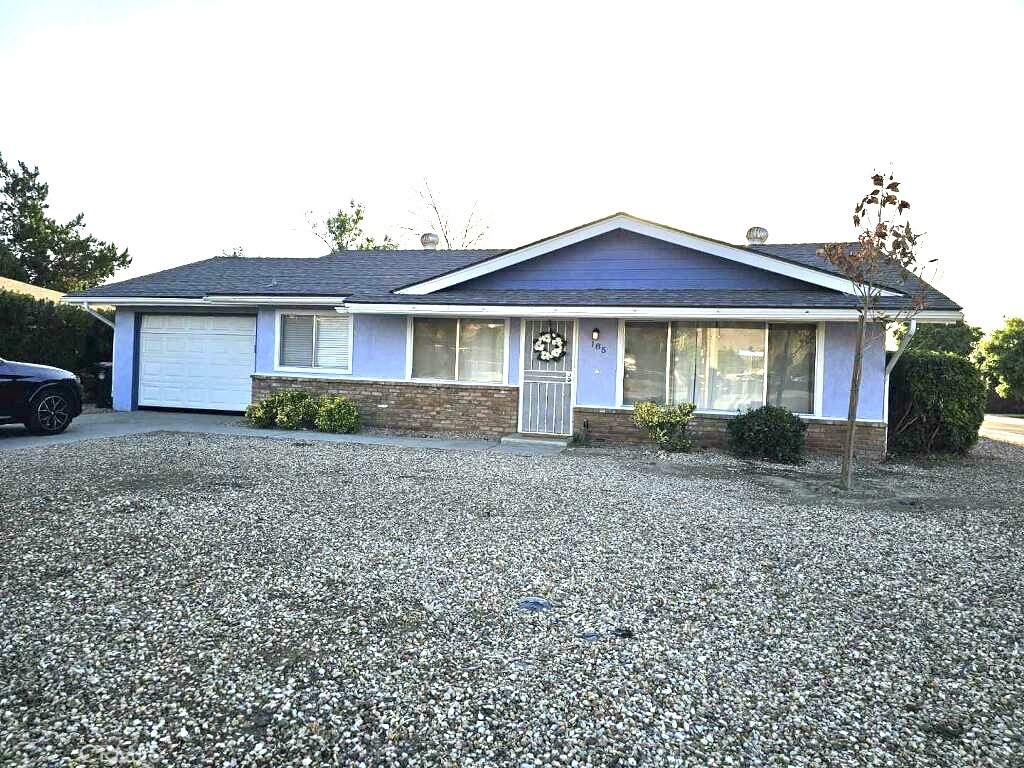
(38, 331)
(768, 432)
(297, 409)
(936, 404)
(336, 413)
(666, 424)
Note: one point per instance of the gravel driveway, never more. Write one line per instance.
(171, 599)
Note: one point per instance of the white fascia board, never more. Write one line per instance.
(133, 301)
(668, 313)
(289, 301)
(208, 301)
(731, 252)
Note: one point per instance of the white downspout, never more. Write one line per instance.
(97, 315)
(892, 364)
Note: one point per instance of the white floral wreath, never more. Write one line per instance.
(549, 346)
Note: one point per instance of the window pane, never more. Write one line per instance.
(791, 366)
(683, 363)
(297, 340)
(481, 350)
(735, 366)
(643, 364)
(332, 348)
(433, 348)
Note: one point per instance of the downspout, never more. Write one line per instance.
(97, 315)
(892, 364)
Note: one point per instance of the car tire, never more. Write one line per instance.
(49, 413)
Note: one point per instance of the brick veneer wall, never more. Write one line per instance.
(457, 408)
(610, 425)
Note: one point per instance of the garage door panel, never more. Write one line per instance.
(196, 361)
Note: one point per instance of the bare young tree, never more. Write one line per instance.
(885, 240)
(455, 236)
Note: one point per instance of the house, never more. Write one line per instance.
(35, 291)
(556, 337)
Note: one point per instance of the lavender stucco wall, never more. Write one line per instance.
(622, 259)
(378, 346)
(514, 343)
(840, 340)
(597, 367)
(123, 373)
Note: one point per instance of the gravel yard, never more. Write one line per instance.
(179, 600)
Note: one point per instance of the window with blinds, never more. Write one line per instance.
(316, 341)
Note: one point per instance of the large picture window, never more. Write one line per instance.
(791, 354)
(719, 366)
(315, 341)
(450, 349)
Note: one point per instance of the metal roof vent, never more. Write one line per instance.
(757, 236)
(429, 241)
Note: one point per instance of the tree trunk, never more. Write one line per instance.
(846, 475)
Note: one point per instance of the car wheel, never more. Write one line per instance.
(50, 414)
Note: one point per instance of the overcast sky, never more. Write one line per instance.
(183, 129)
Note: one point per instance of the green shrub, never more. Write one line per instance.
(936, 404)
(262, 414)
(666, 424)
(335, 413)
(289, 408)
(295, 409)
(768, 432)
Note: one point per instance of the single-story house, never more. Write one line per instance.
(557, 337)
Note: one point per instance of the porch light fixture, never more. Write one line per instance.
(595, 334)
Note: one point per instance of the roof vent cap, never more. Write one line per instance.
(429, 241)
(756, 235)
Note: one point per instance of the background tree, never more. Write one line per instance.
(434, 216)
(37, 249)
(1001, 356)
(344, 232)
(885, 238)
(957, 338)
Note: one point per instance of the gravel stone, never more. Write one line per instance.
(191, 600)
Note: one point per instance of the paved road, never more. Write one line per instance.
(1009, 429)
(100, 424)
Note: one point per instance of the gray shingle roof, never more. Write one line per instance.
(820, 298)
(338, 274)
(371, 276)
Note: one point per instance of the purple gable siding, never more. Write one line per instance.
(622, 259)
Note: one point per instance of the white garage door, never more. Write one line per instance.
(197, 361)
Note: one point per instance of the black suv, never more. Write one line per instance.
(44, 399)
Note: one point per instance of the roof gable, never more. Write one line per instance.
(623, 221)
(621, 259)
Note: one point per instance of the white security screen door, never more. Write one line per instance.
(545, 398)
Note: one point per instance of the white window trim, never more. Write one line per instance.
(819, 360)
(278, 368)
(502, 382)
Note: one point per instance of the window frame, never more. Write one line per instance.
(334, 314)
(819, 360)
(506, 325)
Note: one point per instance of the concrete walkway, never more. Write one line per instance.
(101, 424)
(1009, 429)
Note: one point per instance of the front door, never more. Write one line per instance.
(545, 388)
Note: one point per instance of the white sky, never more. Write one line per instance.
(183, 129)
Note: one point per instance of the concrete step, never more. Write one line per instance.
(549, 441)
